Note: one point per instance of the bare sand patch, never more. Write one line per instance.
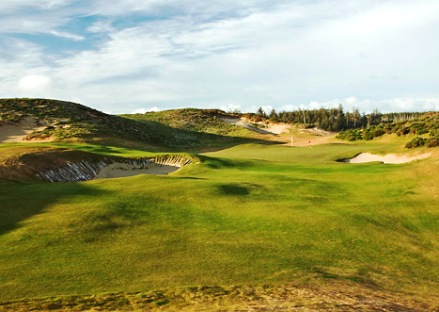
(386, 159)
(262, 128)
(119, 170)
(278, 128)
(16, 132)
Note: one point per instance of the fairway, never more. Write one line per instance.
(249, 215)
(219, 156)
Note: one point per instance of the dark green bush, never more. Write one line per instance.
(416, 142)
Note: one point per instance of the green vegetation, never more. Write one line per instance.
(71, 122)
(200, 120)
(335, 119)
(241, 225)
(250, 215)
(355, 126)
(420, 125)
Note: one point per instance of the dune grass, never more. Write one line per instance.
(106, 150)
(249, 215)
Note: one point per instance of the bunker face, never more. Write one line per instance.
(108, 168)
(118, 170)
(386, 159)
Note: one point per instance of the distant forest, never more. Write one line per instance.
(354, 126)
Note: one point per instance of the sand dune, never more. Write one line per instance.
(16, 132)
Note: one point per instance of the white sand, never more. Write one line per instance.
(278, 128)
(118, 170)
(387, 159)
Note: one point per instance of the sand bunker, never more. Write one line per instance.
(272, 128)
(278, 128)
(119, 170)
(17, 132)
(386, 159)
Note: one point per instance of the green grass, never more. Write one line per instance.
(198, 120)
(249, 215)
(106, 150)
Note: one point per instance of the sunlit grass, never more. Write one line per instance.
(248, 215)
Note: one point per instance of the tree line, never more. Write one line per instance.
(353, 126)
(333, 119)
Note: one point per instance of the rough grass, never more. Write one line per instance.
(199, 120)
(234, 298)
(71, 122)
(250, 215)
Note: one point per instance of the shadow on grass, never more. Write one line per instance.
(19, 202)
(233, 189)
(106, 150)
(218, 163)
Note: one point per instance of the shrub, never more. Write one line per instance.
(432, 142)
(378, 133)
(403, 131)
(367, 135)
(416, 142)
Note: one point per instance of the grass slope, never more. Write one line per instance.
(66, 121)
(200, 120)
(250, 215)
(424, 125)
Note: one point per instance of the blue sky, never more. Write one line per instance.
(136, 56)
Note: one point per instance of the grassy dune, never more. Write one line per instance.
(249, 215)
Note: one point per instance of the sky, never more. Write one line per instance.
(134, 56)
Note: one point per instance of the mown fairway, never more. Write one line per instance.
(250, 215)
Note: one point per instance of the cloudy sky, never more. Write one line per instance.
(123, 56)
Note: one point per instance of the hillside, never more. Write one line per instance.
(213, 121)
(424, 126)
(65, 121)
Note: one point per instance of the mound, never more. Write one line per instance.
(27, 164)
(66, 121)
(61, 120)
(212, 121)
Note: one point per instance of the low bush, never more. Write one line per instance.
(416, 142)
(432, 142)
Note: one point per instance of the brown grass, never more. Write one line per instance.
(333, 297)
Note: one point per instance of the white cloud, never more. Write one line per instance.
(231, 107)
(34, 85)
(34, 82)
(28, 24)
(145, 110)
(267, 108)
(368, 105)
(56, 3)
(101, 26)
(274, 54)
(67, 35)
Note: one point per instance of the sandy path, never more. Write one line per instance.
(387, 159)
